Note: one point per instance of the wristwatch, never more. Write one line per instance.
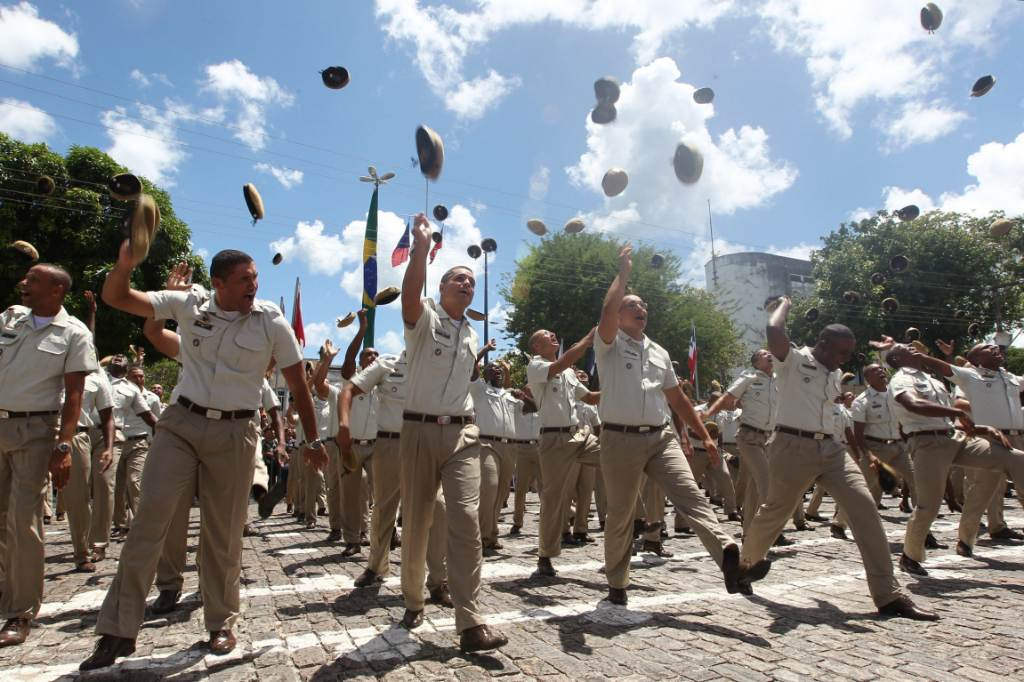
(63, 448)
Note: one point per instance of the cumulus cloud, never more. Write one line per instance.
(233, 82)
(921, 122)
(145, 80)
(540, 181)
(318, 332)
(322, 253)
(471, 99)
(390, 343)
(25, 122)
(288, 177)
(894, 198)
(26, 39)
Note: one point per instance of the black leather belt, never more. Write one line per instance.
(364, 441)
(7, 414)
(1013, 432)
(814, 435)
(625, 428)
(558, 429)
(389, 434)
(83, 429)
(211, 413)
(515, 441)
(435, 419)
(495, 439)
(932, 432)
(884, 441)
(755, 429)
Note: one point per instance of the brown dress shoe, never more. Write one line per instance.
(85, 567)
(367, 578)
(617, 595)
(222, 642)
(108, 650)
(544, 568)
(351, 549)
(731, 568)
(963, 549)
(334, 535)
(441, 596)
(165, 602)
(480, 638)
(656, 548)
(903, 607)
(15, 631)
(908, 565)
(99, 554)
(412, 619)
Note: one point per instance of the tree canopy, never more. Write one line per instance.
(80, 227)
(560, 285)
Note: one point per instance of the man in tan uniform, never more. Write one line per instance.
(803, 450)
(526, 441)
(495, 419)
(205, 440)
(440, 443)
(42, 351)
(637, 436)
(136, 420)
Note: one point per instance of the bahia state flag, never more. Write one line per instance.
(401, 252)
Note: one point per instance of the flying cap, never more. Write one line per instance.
(276, 260)
(386, 295)
(335, 77)
(982, 86)
(704, 96)
(537, 227)
(475, 315)
(45, 185)
(851, 297)
(25, 249)
(430, 150)
(343, 322)
(440, 213)
(606, 90)
(899, 263)
(912, 334)
(1000, 227)
(931, 17)
(657, 260)
(812, 314)
(877, 278)
(890, 305)
(574, 226)
(908, 213)
(603, 113)
(688, 163)
(614, 182)
(124, 187)
(253, 201)
(142, 226)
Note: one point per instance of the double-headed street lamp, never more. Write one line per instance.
(486, 246)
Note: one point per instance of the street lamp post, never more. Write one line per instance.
(486, 246)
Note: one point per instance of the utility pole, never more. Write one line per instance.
(714, 265)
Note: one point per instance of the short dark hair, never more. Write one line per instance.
(451, 272)
(834, 332)
(58, 274)
(225, 261)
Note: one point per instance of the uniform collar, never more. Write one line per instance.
(872, 392)
(61, 319)
(443, 314)
(646, 343)
(210, 306)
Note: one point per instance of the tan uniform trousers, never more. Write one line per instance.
(387, 483)
(447, 455)
(295, 489)
(497, 465)
(334, 484)
(190, 452)
(958, 480)
(90, 493)
(527, 471)
(700, 466)
(894, 455)
(980, 490)
(600, 496)
(354, 502)
(794, 463)
(559, 453)
(260, 475)
(26, 444)
(128, 480)
(170, 570)
(652, 496)
(314, 495)
(625, 458)
(582, 497)
(753, 452)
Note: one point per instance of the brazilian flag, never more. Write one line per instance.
(370, 269)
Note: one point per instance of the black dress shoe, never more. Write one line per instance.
(248, 530)
(749, 575)
(412, 619)
(441, 596)
(165, 602)
(617, 596)
(803, 526)
(396, 539)
(15, 631)
(735, 516)
(815, 517)
(222, 642)
(931, 543)
(656, 548)
(1006, 533)
(311, 523)
(514, 531)
(582, 538)
(367, 578)
(908, 565)
(905, 507)
(334, 535)
(638, 527)
(685, 530)
(963, 549)
(480, 638)
(569, 541)
(108, 650)
(838, 532)
(351, 549)
(321, 511)
(903, 607)
(881, 507)
(544, 568)
(783, 541)
(364, 539)
(731, 568)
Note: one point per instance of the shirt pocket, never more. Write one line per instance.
(253, 350)
(203, 340)
(629, 358)
(442, 348)
(654, 373)
(53, 350)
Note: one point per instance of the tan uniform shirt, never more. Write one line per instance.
(634, 377)
(442, 354)
(224, 359)
(268, 398)
(362, 419)
(492, 415)
(96, 396)
(326, 411)
(33, 361)
(556, 396)
(807, 392)
(872, 409)
(128, 403)
(527, 425)
(994, 396)
(729, 424)
(133, 424)
(921, 385)
(842, 421)
(760, 395)
(388, 377)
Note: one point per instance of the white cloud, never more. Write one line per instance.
(318, 332)
(288, 177)
(26, 39)
(323, 253)
(895, 198)
(472, 99)
(145, 80)
(233, 81)
(921, 122)
(25, 122)
(390, 343)
(540, 181)
(140, 78)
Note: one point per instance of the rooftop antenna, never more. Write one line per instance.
(714, 265)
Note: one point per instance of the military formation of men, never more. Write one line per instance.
(431, 441)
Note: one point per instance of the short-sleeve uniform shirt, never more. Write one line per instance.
(760, 394)
(95, 397)
(555, 396)
(268, 398)
(994, 396)
(442, 354)
(389, 378)
(872, 409)
(128, 403)
(527, 424)
(634, 378)
(492, 410)
(362, 418)
(807, 392)
(921, 385)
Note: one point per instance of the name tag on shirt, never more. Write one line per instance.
(203, 325)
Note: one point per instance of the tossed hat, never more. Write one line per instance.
(912, 334)
(688, 163)
(974, 329)
(982, 86)
(25, 249)
(537, 227)
(877, 278)
(606, 90)
(890, 305)
(899, 263)
(386, 295)
(908, 213)
(346, 321)
(440, 213)
(861, 358)
(106, 360)
(253, 201)
(45, 185)
(657, 260)
(142, 226)
(335, 77)
(931, 17)
(474, 250)
(771, 303)
(574, 226)
(919, 347)
(475, 315)
(603, 113)
(715, 385)
(847, 377)
(430, 150)
(124, 187)
(712, 429)
(959, 361)
(1000, 228)
(614, 182)
(812, 314)
(704, 96)
(276, 260)
(851, 297)
(436, 236)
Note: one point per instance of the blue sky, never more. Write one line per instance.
(820, 114)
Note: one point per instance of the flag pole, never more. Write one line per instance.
(426, 212)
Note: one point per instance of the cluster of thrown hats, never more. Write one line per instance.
(144, 219)
(931, 20)
(383, 297)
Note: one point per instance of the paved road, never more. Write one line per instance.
(811, 618)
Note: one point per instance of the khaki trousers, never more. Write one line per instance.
(260, 475)
(497, 466)
(559, 453)
(387, 477)
(753, 451)
(189, 452)
(527, 471)
(625, 458)
(600, 496)
(354, 500)
(26, 444)
(314, 495)
(583, 496)
(102, 484)
(170, 570)
(652, 497)
(79, 491)
(983, 482)
(447, 455)
(894, 455)
(128, 480)
(794, 463)
(700, 466)
(296, 480)
(334, 484)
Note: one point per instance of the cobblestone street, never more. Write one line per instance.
(811, 617)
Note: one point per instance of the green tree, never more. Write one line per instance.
(560, 285)
(958, 276)
(80, 227)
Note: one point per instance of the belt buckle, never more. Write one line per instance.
(643, 429)
(214, 414)
(444, 419)
(4, 414)
(819, 436)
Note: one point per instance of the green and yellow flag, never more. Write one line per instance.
(370, 269)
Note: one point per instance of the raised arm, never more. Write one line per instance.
(327, 354)
(778, 339)
(571, 356)
(162, 338)
(348, 368)
(416, 273)
(117, 291)
(726, 402)
(609, 324)
(90, 312)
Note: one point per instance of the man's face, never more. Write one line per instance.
(989, 356)
(836, 352)
(582, 376)
(367, 357)
(137, 376)
(764, 361)
(158, 390)
(457, 291)
(847, 399)
(876, 378)
(39, 288)
(494, 375)
(238, 290)
(118, 366)
(544, 342)
(633, 314)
